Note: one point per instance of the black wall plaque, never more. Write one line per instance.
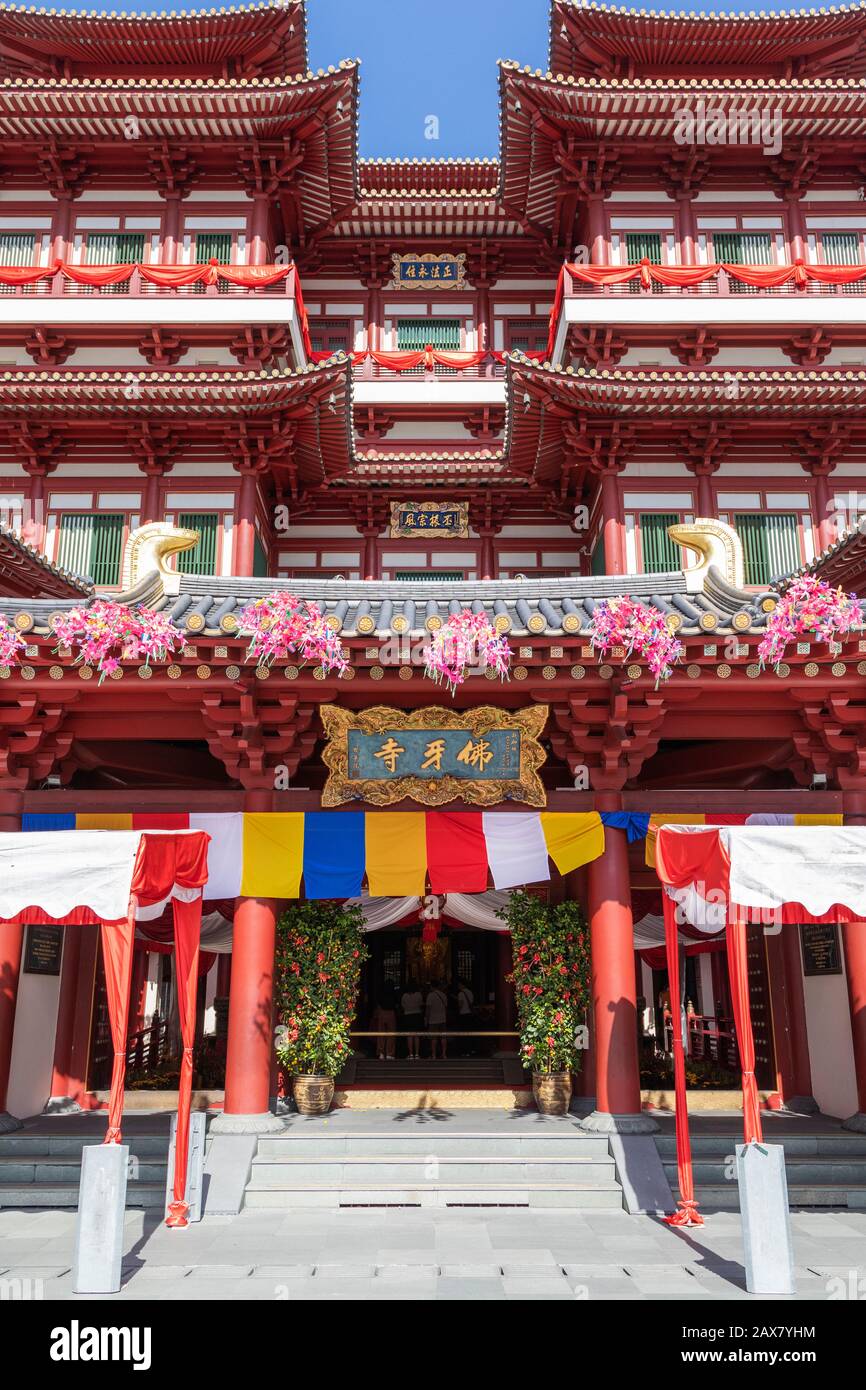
(820, 943)
(43, 950)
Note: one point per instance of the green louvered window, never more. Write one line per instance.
(17, 248)
(418, 576)
(92, 544)
(640, 245)
(217, 245)
(743, 248)
(660, 555)
(260, 559)
(112, 248)
(201, 560)
(771, 544)
(414, 334)
(842, 248)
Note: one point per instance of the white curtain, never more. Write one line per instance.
(382, 912)
(478, 909)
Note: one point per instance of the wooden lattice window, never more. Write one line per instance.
(771, 545)
(112, 248)
(202, 559)
(91, 544)
(527, 335)
(743, 248)
(660, 554)
(331, 335)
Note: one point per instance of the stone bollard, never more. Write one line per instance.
(101, 1210)
(767, 1244)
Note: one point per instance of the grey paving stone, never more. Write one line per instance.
(524, 1269)
(155, 1271)
(411, 1271)
(467, 1271)
(22, 1271)
(304, 1271)
(340, 1270)
(215, 1271)
(470, 1290)
(543, 1289)
(593, 1271)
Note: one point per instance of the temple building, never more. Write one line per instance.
(627, 357)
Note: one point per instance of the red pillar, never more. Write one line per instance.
(11, 941)
(371, 555)
(62, 228)
(374, 317)
(614, 548)
(597, 230)
(34, 524)
(171, 230)
(687, 231)
(259, 229)
(706, 504)
(617, 1073)
(152, 509)
(245, 543)
(60, 1096)
(250, 1043)
(488, 562)
(854, 942)
(797, 234)
(793, 1072)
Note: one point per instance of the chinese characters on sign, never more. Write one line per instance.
(430, 518)
(480, 756)
(417, 272)
(432, 753)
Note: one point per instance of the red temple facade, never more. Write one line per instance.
(627, 357)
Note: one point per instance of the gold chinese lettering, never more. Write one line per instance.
(477, 754)
(389, 753)
(433, 755)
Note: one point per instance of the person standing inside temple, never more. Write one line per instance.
(412, 1009)
(385, 1023)
(436, 1017)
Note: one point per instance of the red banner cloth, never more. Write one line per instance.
(167, 862)
(25, 274)
(118, 942)
(97, 274)
(760, 276)
(253, 276)
(738, 972)
(456, 852)
(687, 1213)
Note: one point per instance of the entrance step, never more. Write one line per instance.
(38, 1170)
(561, 1167)
(823, 1170)
(444, 1074)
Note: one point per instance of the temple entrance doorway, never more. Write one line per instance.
(464, 1030)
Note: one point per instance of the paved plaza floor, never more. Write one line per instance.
(431, 1254)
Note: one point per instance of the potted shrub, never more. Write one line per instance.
(320, 950)
(551, 978)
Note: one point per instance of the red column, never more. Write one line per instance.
(793, 1072)
(488, 562)
(259, 230)
(614, 548)
(374, 318)
(11, 941)
(484, 326)
(60, 1097)
(63, 228)
(245, 541)
(171, 230)
(152, 509)
(797, 234)
(250, 1043)
(687, 231)
(617, 1073)
(371, 555)
(79, 1057)
(34, 524)
(597, 230)
(854, 942)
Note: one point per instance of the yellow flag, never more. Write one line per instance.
(273, 854)
(396, 854)
(572, 837)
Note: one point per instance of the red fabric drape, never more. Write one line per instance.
(97, 274)
(761, 276)
(117, 950)
(187, 930)
(456, 852)
(253, 276)
(303, 319)
(738, 972)
(687, 1213)
(24, 274)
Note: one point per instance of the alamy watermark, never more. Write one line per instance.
(704, 124)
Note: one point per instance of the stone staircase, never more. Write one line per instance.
(823, 1169)
(435, 1165)
(428, 1074)
(43, 1170)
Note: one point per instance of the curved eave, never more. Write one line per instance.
(268, 37)
(596, 35)
(25, 570)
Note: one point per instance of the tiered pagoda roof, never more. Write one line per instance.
(265, 40)
(591, 40)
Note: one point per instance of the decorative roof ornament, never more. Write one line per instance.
(719, 548)
(146, 552)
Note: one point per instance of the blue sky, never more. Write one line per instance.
(423, 58)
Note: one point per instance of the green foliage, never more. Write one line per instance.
(551, 980)
(320, 950)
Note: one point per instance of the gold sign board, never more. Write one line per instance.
(414, 272)
(436, 519)
(434, 755)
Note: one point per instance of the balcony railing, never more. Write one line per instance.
(719, 283)
(491, 368)
(57, 286)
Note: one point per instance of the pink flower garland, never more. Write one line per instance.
(623, 622)
(281, 623)
(107, 633)
(467, 639)
(809, 607)
(11, 644)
